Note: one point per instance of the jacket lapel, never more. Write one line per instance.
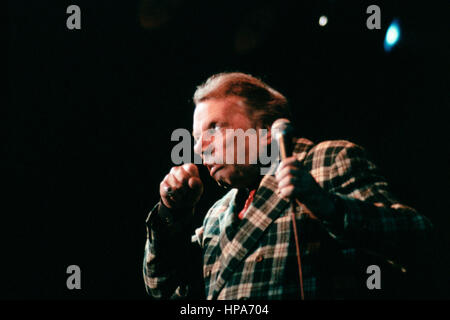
(267, 206)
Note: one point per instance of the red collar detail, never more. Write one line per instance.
(247, 204)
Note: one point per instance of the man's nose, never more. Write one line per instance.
(201, 146)
(198, 146)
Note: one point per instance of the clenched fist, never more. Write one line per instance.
(182, 187)
(294, 182)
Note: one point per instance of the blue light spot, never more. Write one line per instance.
(392, 35)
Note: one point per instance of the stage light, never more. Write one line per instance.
(323, 20)
(392, 36)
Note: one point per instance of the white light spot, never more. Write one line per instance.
(323, 20)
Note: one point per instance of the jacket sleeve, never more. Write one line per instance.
(367, 215)
(172, 262)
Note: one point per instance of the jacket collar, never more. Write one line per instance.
(267, 206)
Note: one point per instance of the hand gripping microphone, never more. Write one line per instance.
(283, 133)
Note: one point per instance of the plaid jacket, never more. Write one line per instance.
(256, 258)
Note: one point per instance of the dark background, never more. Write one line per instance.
(89, 114)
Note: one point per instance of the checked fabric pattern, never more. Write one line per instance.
(255, 258)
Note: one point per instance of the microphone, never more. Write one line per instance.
(282, 131)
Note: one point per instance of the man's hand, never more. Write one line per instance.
(296, 183)
(182, 187)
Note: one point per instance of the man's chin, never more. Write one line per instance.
(234, 176)
(228, 182)
(221, 179)
(223, 184)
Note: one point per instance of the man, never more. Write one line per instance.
(300, 233)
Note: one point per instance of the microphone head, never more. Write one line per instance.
(281, 126)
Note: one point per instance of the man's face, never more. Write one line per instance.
(228, 162)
